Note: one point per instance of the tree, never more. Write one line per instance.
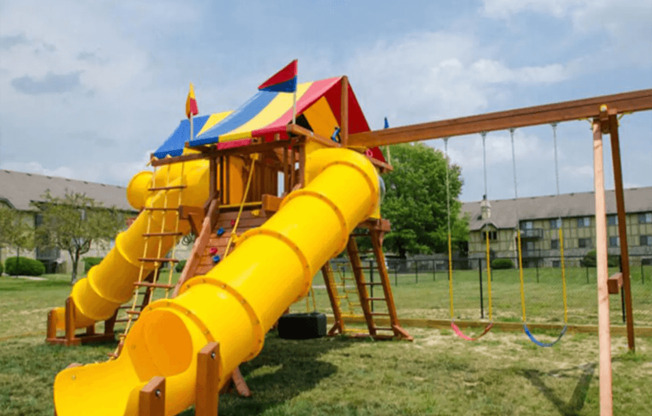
(14, 231)
(415, 201)
(74, 222)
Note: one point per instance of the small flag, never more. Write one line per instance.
(284, 80)
(191, 103)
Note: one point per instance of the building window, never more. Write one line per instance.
(612, 219)
(556, 263)
(529, 245)
(555, 223)
(583, 222)
(527, 225)
(614, 241)
(646, 240)
(554, 244)
(584, 242)
(493, 235)
(645, 218)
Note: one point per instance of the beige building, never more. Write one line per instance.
(538, 217)
(20, 190)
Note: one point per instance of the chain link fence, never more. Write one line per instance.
(421, 289)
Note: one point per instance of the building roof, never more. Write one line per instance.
(19, 189)
(505, 213)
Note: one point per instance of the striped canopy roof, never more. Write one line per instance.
(267, 114)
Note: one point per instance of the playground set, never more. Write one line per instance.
(271, 192)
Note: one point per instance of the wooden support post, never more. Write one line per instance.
(212, 179)
(70, 338)
(377, 243)
(240, 384)
(51, 333)
(344, 114)
(222, 181)
(622, 229)
(227, 182)
(604, 336)
(152, 398)
(286, 171)
(331, 289)
(209, 369)
(302, 164)
(293, 159)
(356, 265)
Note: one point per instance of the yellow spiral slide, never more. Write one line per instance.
(238, 301)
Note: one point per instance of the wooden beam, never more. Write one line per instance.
(604, 336)
(302, 131)
(622, 227)
(503, 120)
(209, 375)
(344, 113)
(214, 152)
(152, 398)
(641, 331)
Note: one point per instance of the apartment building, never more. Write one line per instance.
(20, 191)
(538, 219)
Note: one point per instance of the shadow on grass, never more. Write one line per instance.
(283, 370)
(576, 402)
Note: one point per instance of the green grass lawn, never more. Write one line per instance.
(437, 374)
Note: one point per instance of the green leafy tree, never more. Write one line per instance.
(415, 201)
(74, 222)
(15, 231)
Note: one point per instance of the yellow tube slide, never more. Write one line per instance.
(110, 283)
(237, 301)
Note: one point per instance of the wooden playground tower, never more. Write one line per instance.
(286, 159)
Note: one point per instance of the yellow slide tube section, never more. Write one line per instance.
(238, 301)
(111, 283)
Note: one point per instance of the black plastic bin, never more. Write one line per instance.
(302, 325)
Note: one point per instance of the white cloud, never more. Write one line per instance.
(436, 75)
(505, 9)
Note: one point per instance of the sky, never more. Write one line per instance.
(89, 89)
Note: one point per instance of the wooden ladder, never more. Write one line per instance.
(148, 277)
(376, 306)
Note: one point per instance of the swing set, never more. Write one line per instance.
(490, 324)
(603, 112)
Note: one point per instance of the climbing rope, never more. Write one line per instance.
(526, 329)
(232, 237)
(454, 326)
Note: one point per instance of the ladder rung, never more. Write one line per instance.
(132, 312)
(161, 260)
(166, 188)
(171, 233)
(372, 299)
(155, 285)
(347, 315)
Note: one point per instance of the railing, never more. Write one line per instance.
(532, 233)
